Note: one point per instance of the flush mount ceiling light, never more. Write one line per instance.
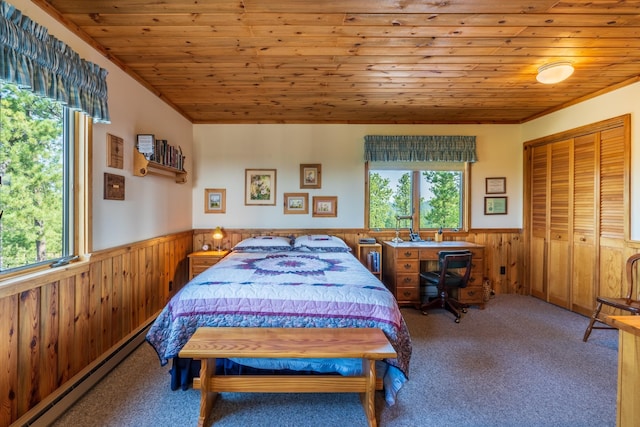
(554, 72)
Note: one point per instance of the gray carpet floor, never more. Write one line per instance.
(518, 362)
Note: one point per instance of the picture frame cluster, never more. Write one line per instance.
(495, 205)
(260, 190)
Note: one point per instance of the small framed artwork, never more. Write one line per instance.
(113, 187)
(311, 176)
(496, 185)
(115, 147)
(215, 200)
(325, 206)
(260, 187)
(495, 205)
(296, 203)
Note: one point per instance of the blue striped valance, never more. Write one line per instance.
(32, 59)
(419, 148)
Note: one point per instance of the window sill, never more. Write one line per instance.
(26, 280)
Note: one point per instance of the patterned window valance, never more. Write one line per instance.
(32, 59)
(419, 148)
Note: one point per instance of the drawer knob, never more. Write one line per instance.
(407, 294)
(407, 266)
(407, 254)
(407, 280)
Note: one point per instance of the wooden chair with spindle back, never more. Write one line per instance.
(627, 303)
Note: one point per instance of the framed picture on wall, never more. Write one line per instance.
(215, 200)
(325, 206)
(496, 185)
(495, 205)
(260, 187)
(296, 203)
(311, 176)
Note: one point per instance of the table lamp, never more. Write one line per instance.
(218, 235)
(399, 218)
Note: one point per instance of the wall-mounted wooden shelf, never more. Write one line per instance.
(144, 167)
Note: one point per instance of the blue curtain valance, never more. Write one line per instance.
(419, 148)
(32, 59)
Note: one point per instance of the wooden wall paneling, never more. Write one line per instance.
(48, 322)
(116, 298)
(514, 265)
(611, 267)
(9, 329)
(135, 288)
(70, 317)
(82, 320)
(67, 337)
(29, 342)
(127, 294)
(95, 294)
(155, 285)
(106, 305)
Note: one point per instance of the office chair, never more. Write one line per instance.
(454, 271)
(626, 303)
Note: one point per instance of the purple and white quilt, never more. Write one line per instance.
(287, 289)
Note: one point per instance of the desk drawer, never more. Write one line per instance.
(471, 295)
(407, 253)
(407, 266)
(408, 281)
(405, 295)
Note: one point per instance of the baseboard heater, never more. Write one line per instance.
(54, 405)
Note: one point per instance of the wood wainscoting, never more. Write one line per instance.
(503, 248)
(56, 323)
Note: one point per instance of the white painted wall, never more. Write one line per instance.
(153, 206)
(223, 152)
(613, 104)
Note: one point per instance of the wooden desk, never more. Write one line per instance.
(403, 262)
(628, 400)
(207, 344)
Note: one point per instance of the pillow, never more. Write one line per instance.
(264, 244)
(320, 243)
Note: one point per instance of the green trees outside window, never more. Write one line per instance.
(438, 198)
(32, 169)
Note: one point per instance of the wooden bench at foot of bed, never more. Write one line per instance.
(208, 344)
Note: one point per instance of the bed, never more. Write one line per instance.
(270, 281)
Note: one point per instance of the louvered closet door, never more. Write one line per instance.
(584, 223)
(612, 211)
(558, 274)
(538, 221)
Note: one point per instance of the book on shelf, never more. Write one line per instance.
(373, 262)
(165, 154)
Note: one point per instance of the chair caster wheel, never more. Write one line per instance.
(424, 313)
(464, 310)
(457, 320)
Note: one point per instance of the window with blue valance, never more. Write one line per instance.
(419, 148)
(32, 59)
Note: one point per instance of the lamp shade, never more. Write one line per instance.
(217, 233)
(554, 72)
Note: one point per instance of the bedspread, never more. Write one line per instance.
(285, 289)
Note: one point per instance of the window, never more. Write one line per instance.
(433, 194)
(36, 169)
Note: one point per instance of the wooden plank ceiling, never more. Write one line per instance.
(363, 61)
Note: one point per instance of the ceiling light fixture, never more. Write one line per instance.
(554, 72)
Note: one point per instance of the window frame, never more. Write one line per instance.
(78, 186)
(415, 194)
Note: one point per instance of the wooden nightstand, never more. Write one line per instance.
(201, 260)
